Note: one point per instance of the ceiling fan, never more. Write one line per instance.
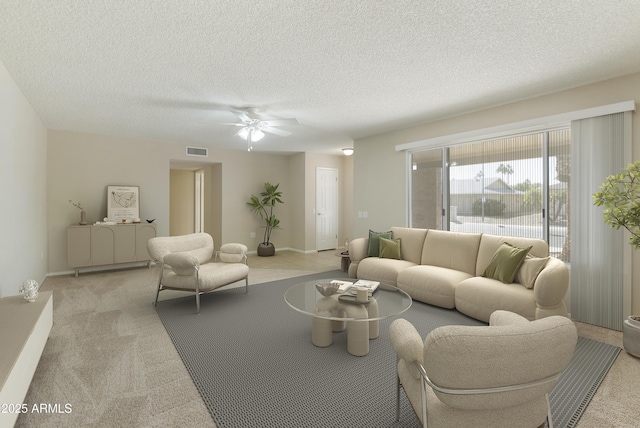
(252, 127)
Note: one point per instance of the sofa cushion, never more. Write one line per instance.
(505, 263)
(212, 276)
(478, 297)
(383, 270)
(374, 242)
(490, 243)
(452, 250)
(431, 284)
(412, 242)
(530, 269)
(390, 248)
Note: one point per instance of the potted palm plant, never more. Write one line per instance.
(263, 206)
(620, 196)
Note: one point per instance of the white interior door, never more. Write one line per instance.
(326, 208)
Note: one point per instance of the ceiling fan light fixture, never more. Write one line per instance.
(257, 135)
(347, 151)
(251, 133)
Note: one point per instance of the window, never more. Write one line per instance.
(512, 186)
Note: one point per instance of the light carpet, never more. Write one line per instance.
(251, 358)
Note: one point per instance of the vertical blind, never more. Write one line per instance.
(597, 250)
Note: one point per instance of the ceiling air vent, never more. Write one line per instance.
(197, 151)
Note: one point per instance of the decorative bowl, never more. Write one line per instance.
(326, 288)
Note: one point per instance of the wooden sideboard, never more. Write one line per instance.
(102, 245)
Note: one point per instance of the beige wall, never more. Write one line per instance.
(380, 185)
(181, 202)
(23, 174)
(347, 209)
(82, 165)
(299, 209)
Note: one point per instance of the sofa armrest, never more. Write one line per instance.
(233, 253)
(182, 263)
(358, 249)
(552, 284)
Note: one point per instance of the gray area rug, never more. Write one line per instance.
(251, 358)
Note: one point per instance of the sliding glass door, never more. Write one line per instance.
(511, 186)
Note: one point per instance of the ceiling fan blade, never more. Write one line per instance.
(275, 131)
(230, 123)
(281, 122)
(242, 115)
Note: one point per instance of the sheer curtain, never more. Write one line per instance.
(600, 147)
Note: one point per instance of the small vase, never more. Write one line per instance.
(29, 290)
(83, 218)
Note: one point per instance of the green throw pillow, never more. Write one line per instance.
(390, 248)
(374, 242)
(505, 263)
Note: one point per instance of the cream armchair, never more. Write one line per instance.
(494, 376)
(185, 264)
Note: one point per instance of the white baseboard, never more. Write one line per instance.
(288, 249)
(99, 268)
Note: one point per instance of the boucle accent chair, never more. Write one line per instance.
(185, 264)
(494, 376)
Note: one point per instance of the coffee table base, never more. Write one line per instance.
(358, 332)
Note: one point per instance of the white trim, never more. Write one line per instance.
(627, 255)
(522, 125)
(409, 190)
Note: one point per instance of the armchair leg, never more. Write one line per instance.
(159, 285)
(549, 418)
(423, 399)
(246, 285)
(397, 399)
(197, 293)
(157, 295)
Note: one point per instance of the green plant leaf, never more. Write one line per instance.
(620, 196)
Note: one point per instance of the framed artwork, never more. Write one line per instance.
(123, 203)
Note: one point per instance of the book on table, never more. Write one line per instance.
(371, 286)
(344, 285)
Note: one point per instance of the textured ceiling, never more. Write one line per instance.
(173, 70)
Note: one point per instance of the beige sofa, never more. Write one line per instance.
(445, 269)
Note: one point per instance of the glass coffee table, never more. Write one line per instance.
(341, 310)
